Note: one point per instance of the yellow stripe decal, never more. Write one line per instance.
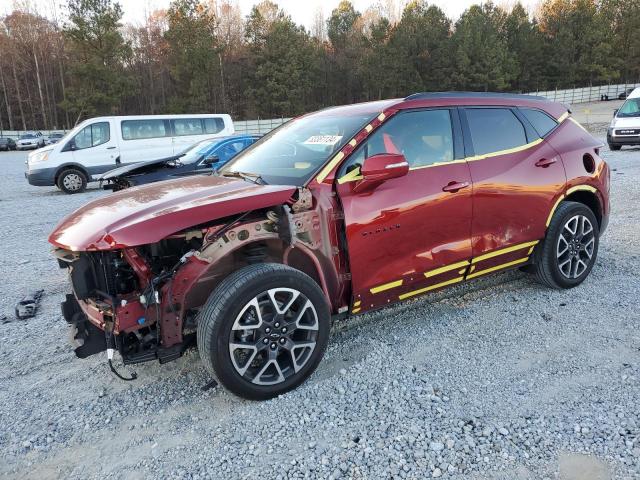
(381, 117)
(447, 268)
(368, 128)
(503, 251)
(357, 304)
(431, 287)
(386, 286)
(497, 267)
(461, 272)
(563, 117)
(439, 164)
(531, 250)
(504, 152)
(353, 142)
(330, 166)
(355, 310)
(577, 123)
(553, 210)
(352, 176)
(577, 188)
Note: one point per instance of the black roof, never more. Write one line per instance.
(514, 96)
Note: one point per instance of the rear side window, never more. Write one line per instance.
(92, 135)
(138, 129)
(213, 125)
(494, 129)
(542, 122)
(187, 126)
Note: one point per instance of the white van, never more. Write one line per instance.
(103, 143)
(625, 126)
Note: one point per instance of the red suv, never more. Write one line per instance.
(335, 213)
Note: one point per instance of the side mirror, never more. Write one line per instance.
(380, 168)
(615, 112)
(70, 146)
(211, 160)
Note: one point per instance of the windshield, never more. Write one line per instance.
(195, 152)
(28, 135)
(631, 108)
(290, 154)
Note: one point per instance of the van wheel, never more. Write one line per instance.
(614, 147)
(72, 180)
(567, 254)
(264, 330)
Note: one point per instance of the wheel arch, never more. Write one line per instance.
(589, 198)
(68, 166)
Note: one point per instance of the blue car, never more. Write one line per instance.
(203, 157)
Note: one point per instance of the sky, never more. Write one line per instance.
(302, 11)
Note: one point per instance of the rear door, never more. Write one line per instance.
(410, 234)
(145, 139)
(517, 177)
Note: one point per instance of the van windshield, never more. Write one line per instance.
(631, 108)
(292, 153)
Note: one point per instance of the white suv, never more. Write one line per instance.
(625, 126)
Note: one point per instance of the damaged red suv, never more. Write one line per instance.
(336, 213)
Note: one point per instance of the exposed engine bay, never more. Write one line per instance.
(144, 301)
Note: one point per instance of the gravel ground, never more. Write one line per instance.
(498, 379)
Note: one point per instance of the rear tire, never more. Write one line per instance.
(567, 254)
(72, 181)
(264, 330)
(614, 147)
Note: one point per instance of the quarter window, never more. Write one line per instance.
(213, 125)
(138, 129)
(424, 137)
(541, 122)
(187, 126)
(494, 129)
(92, 135)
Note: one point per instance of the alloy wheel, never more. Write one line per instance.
(273, 336)
(576, 243)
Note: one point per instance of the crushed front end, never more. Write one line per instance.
(119, 296)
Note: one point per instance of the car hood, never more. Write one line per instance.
(622, 122)
(138, 167)
(147, 214)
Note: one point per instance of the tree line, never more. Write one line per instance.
(202, 56)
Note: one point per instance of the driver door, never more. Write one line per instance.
(411, 234)
(94, 147)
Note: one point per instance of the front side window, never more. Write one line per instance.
(92, 135)
(424, 137)
(228, 151)
(542, 123)
(630, 108)
(494, 129)
(139, 129)
(187, 126)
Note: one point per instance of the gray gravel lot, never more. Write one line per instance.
(500, 378)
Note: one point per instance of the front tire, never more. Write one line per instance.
(264, 330)
(72, 181)
(567, 254)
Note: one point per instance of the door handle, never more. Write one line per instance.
(110, 148)
(545, 162)
(454, 186)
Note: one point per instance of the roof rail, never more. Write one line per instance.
(515, 96)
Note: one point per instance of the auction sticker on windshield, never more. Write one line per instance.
(323, 140)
